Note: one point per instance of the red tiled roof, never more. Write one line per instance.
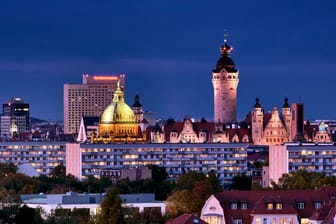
(257, 202)
(186, 219)
(323, 212)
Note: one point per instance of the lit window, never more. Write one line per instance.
(233, 205)
(270, 206)
(258, 221)
(278, 205)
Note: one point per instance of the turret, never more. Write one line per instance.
(287, 116)
(257, 122)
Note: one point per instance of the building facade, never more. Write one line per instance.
(225, 82)
(288, 125)
(264, 207)
(88, 99)
(227, 160)
(291, 157)
(90, 202)
(15, 118)
(42, 156)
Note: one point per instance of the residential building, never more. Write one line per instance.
(42, 156)
(263, 207)
(89, 98)
(226, 159)
(291, 157)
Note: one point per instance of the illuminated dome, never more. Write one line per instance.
(118, 112)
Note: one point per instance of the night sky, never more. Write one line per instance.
(167, 50)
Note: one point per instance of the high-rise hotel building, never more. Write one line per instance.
(89, 98)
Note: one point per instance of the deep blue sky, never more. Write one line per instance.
(167, 50)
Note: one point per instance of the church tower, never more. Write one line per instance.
(225, 82)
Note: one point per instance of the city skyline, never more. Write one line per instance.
(167, 52)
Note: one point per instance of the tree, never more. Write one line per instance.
(241, 182)
(214, 181)
(58, 171)
(28, 215)
(159, 173)
(303, 179)
(10, 204)
(111, 210)
(179, 202)
(191, 191)
(7, 168)
(187, 181)
(19, 183)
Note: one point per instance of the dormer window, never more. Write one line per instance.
(243, 205)
(317, 205)
(278, 205)
(270, 205)
(237, 221)
(301, 205)
(233, 205)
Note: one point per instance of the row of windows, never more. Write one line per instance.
(223, 77)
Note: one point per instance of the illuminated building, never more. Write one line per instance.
(225, 82)
(291, 157)
(274, 128)
(88, 99)
(15, 118)
(42, 156)
(225, 159)
(118, 122)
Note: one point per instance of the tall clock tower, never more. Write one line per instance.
(225, 82)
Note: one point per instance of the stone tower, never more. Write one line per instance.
(225, 82)
(287, 117)
(257, 122)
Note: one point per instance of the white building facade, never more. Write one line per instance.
(291, 157)
(225, 159)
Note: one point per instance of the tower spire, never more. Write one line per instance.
(226, 34)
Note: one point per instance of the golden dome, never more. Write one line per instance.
(118, 112)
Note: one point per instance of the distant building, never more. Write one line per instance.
(291, 157)
(15, 118)
(264, 207)
(226, 159)
(91, 202)
(276, 128)
(225, 82)
(114, 116)
(88, 99)
(42, 156)
(136, 173)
